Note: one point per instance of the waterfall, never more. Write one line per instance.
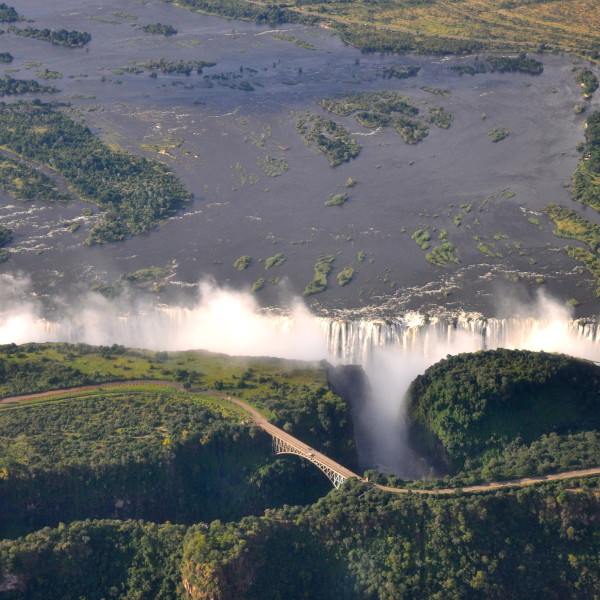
(357, 342)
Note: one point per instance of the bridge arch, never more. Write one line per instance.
(282, 447)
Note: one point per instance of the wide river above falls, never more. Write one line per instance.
(220, 128)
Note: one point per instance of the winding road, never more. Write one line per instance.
(304, 450)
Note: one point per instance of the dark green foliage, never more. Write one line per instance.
(25, 183)
(135, 193)
(337, 199)
(8, 14)
(363, 543)
(439, 117)
(502, 64)
(377, 39)
(95, 560)
(470, 69)
(6, 57)
(275, 261)
(380, 109)
(11, 87)
(159, 29)
(398, 72)
(497, 134)
(422, 238)
(586, 188)
(588, 81)
(470, 406)
(329, 137)
(179, 66)
(131, 454)
(573, 226)
(60, 37)
(238, 9)
(241, 263)
(6, 235)
(521, 64)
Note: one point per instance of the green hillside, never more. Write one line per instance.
(469, 408)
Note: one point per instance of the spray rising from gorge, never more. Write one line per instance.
(391, 352)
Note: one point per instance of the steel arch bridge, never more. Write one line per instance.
(334, 475)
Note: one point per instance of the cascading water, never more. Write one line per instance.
(392, 352)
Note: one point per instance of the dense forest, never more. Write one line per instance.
(133, 192)
(470, 407)
(79, 472)
(355, 543)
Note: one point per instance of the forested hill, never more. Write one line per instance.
(470, 408)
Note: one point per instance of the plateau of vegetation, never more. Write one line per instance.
(10, 86)
(468, 408)
(329, 137)
(588, 82)
(25, 183)
(323, 267)
(6, 57)
(158, 29)
(59, 37)
(133, 192)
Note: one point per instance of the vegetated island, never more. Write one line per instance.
(10, 86)
(134, 193)
(503, 64)
(158, 29)
(93, 458)
(59, 37)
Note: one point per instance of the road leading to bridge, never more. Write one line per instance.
(284, 443)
